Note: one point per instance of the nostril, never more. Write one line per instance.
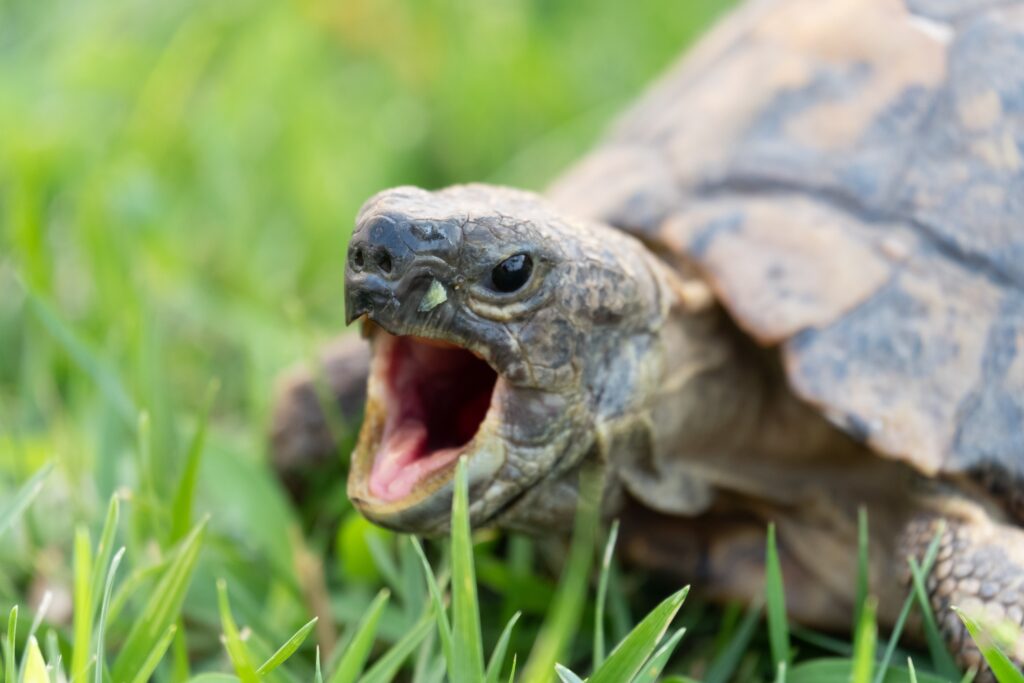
(384, 261)
(357, 258)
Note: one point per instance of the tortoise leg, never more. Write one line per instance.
(317, 410)
(980, 570)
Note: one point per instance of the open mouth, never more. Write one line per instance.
(432, 398)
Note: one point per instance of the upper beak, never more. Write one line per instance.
(367, 295)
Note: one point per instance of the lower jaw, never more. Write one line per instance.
(427, 508)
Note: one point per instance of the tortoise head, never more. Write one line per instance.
(502, 331)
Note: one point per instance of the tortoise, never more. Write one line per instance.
(786, 285)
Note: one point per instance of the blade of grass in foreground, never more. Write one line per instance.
(865, 643)
(656, 664)
(237, 651)
(498, 656)
(929, 560)
(563, 618)
(181, 507)
(629, 656)
(467, 643)
(391, 661)
(101, 627)
(602, 592)
(9, 654)
(358, 650)
(288, 649)
(83, 601)
(1002, 668)
(53, 655)
(34, 667)
(155, 655)
(862, 564)
(105, 549)
(566, 675)
(23, 498)
(941, 658)
(162, 608)
(725, 664)
(444, 628)
(775, 599)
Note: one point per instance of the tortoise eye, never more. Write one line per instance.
(512, 273)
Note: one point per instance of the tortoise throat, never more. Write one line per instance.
(436, 397)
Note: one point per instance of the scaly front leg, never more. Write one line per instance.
(980, 570)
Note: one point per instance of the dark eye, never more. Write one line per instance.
(512, 273)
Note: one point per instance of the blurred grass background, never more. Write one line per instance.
(177, 184)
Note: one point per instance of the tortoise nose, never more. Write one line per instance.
(378, 257)
(380, 248)
(370, 258)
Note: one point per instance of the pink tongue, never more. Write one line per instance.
(402, 463)
(397, 454)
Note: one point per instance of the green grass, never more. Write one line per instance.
(177, 184)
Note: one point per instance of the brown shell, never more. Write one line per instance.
(849, 175)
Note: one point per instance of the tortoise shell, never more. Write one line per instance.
(849, 178)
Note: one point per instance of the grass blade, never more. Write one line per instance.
(563, 618)
(929, 560)
(602, 592)
(288, 649)
(105, 548)
(912, 671)
(102, 626)
(941, 658)
(155, 655)
(467, 643)
(775, 600)
(726, 663)
(865, 643)
(656, 664)
(237, 651)
(356, 654)
(863, 566)
(23, 498)
(83, 605)
(9, 653)
(894, 637)
(53, 655)
(444, 629)
(630, 655)
(498, 656)
(181, 507)
(162, 608)
(566, 676)
(391, 661)
(1002, 668)
(34, 667)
